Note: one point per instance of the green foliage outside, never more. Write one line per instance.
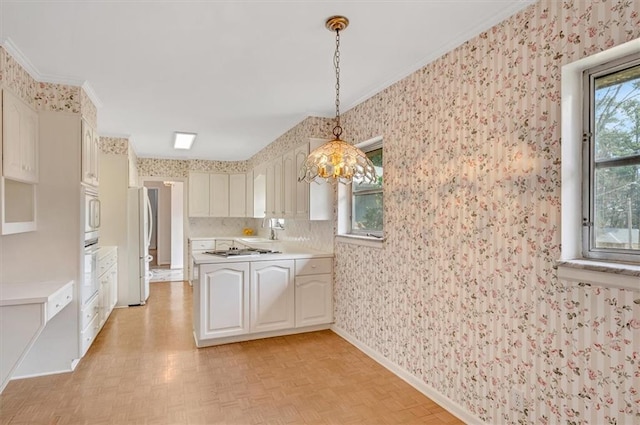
(617, 135)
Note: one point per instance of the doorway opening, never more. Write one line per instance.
(167, 237)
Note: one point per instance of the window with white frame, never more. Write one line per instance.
(366, 198)
(611, 160)
(360, 205)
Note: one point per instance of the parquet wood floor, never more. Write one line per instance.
(144, 368)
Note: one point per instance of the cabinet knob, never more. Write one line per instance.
(57, 305)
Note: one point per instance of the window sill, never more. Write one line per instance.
(600, 273)
(361, 240)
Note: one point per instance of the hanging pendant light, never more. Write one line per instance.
(337, 160)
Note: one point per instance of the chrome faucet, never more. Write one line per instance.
(272, 227)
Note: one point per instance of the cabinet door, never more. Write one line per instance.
(223, 293)
(321, 196)
(278, 200)
(87, 154)
(249, 194)
(270, 206)
(272, 295)
(198, 194)
(11, 115)
(19, 140)
(113, 295)
(95, 154)
(302, 188)
(104, 296)
(219, 195)
(314, 300)
(237, 195)
(260, 192)
(289, 185)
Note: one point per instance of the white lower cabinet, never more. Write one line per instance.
(272, 295)
(223, 294)
(314, 292)
(314, 300)
(108, 278)
(90, 323)
(257, 299)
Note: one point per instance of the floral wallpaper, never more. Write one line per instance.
(310, 127)
(58, 97)
(88, 109)
(464, 293)
(114, 145)
(153, 167)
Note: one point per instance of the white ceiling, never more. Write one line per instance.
(238, 73)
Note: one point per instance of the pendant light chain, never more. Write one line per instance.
(337, 131)
(337, 161)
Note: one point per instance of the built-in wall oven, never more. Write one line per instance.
(91, 217)
(90, 284)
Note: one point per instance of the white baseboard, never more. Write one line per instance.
(251, 336)
(35, 375)
(444, 401)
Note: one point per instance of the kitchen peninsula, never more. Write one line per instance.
(260, 295)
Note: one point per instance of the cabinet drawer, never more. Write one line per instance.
(59, 301)
(207, 244)
(89, 311)
(313, 266)
(106, 262)
(89, 334)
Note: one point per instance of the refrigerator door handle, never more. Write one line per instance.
(150, 221)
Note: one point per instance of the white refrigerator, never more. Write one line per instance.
(140, 223)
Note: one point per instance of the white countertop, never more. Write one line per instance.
(246, 239)
(287, 252)
(30, 292)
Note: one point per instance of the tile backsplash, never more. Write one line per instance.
(202, 227)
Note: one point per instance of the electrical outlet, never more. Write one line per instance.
(517, 400)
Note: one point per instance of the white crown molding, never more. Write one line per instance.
(454, 43)
(24, 62)
(19, 57)
(88, 89)
(115, 135)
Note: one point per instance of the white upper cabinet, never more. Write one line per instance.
(19, 139)
(259, 192)
(238, 195)
(321, 196)
(301, 188)
(198, 194)
(248, 206)
(289, 184)
(285, 196)
(219, 195)
(90, 151)
(278, 200)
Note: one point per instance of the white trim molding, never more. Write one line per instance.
(17, 54)
(572, 265)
